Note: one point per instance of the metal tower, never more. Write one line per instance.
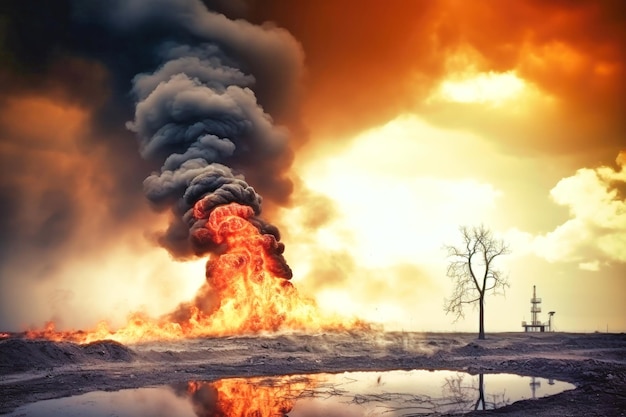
(534, 385)
(535, 308)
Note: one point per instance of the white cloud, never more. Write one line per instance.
(596, 230)
(593, 266)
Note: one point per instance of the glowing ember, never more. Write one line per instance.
(247, 291)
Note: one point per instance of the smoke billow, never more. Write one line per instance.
(198, 88)
(199, 116)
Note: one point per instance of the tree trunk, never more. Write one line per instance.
(481, 318)
(481, 393)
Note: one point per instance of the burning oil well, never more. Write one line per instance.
(198, 114)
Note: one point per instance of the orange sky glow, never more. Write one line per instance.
(413, 118)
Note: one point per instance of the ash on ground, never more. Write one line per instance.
(34, 370)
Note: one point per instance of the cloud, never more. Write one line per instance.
(595, 232)
(362, 58)
(71, 184)
(593, 266)
(368, 63)
(59, 206)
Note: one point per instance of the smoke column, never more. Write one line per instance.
(204, 87)
(200, 115)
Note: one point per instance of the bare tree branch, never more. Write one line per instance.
(467, 263)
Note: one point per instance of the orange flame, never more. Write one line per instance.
(237, 397)
(247, 291)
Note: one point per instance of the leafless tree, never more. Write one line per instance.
(461, 393)
(471, 267)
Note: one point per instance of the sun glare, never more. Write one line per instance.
(388, 190)
(490, 88)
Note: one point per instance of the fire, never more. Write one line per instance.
(238, 397)
(247, 290)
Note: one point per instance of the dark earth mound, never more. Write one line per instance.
(20, 355)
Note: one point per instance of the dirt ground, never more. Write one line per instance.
(31, 370)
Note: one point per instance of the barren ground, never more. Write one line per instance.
(596, 363)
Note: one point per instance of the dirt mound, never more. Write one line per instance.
(19, 355)
(471, 349)
(22, 355)
(109, 350)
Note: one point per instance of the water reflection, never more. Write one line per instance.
(352, 394)
(261, 397)
(464, 395)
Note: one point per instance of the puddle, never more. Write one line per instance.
(354, 394)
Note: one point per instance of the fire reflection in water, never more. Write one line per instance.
(246, 397)
(356, 394)
(348, 394)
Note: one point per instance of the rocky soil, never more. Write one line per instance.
(34, 370)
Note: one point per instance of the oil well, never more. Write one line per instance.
(535, 324)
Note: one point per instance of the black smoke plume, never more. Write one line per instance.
(87, 55)
(199, 113)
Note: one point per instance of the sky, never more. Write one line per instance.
(383, 129)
